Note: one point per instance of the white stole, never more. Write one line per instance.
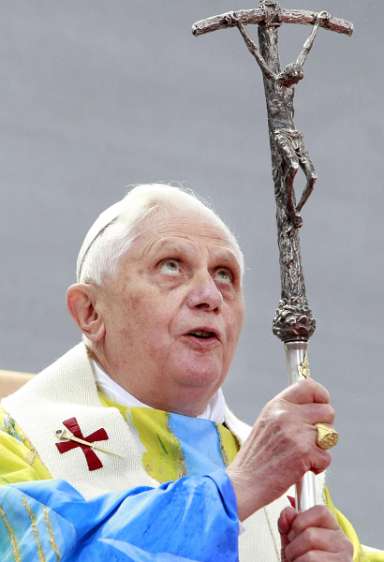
(67, 389)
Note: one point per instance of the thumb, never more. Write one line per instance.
(287, 516)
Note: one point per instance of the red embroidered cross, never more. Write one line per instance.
(92, 459)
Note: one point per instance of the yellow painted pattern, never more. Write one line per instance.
(51, 534)
(35, 530)
(19, 460)
(12, 535)
(228, 442)
(108, 403)
(163, 457)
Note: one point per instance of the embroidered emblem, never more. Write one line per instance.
(76, 439)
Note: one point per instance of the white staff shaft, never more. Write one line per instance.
(298, 368)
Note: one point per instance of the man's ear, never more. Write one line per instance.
(81, 302)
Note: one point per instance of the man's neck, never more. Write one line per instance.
(214, 410)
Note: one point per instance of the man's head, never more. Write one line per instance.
(290, 75)
(159, 297)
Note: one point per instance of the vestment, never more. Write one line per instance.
(192, 518)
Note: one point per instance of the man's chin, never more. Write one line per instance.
(200, 372)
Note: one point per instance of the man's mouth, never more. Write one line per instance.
(202, 334)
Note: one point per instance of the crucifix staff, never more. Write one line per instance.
(293, 322)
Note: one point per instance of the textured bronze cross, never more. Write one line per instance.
(293, 322)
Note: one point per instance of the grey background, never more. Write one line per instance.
(95, 95)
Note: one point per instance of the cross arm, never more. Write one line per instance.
(257, 16)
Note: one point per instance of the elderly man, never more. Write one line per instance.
(125, 448)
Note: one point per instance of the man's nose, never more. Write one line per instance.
(204, 293)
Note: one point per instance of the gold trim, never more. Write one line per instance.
(12, 535)
(303, 368)
(52, 541)
(35, 530)
(327, 436)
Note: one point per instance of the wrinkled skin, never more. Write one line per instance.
(181, 274)
(312, 536)
(281, 446)
(280, 449)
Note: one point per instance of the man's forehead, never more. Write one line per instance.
(176, 221)
(177, 228)
(218, 246)
(185, 224)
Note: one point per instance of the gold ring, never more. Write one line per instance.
(327, 437)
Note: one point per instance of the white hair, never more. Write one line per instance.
(111, 234)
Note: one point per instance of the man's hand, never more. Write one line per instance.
(281, 446)
(312, 536)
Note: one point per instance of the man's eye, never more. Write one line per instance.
(170, 267)
(224, 275)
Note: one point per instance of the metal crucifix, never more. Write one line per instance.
(293, 322)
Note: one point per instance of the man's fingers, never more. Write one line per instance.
(286, 519)
(284, 524)
(305, 392)
(321, 462)
(317, 556)
(318, 516)
(313, 539)
(315, 535)
(318, 413)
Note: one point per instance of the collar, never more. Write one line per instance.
(215, 410)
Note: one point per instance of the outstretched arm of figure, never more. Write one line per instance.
(311, 39)
(255, 52)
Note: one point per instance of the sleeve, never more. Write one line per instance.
(193, 519)
(361, 553)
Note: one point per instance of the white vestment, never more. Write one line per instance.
(67, 389)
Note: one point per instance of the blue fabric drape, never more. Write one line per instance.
(193, 519)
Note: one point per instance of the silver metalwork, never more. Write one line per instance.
(298, 368)
(306, 496)
(293, 322)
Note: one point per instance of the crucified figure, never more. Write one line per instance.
(289, 141)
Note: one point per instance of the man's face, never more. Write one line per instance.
(173, 312)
